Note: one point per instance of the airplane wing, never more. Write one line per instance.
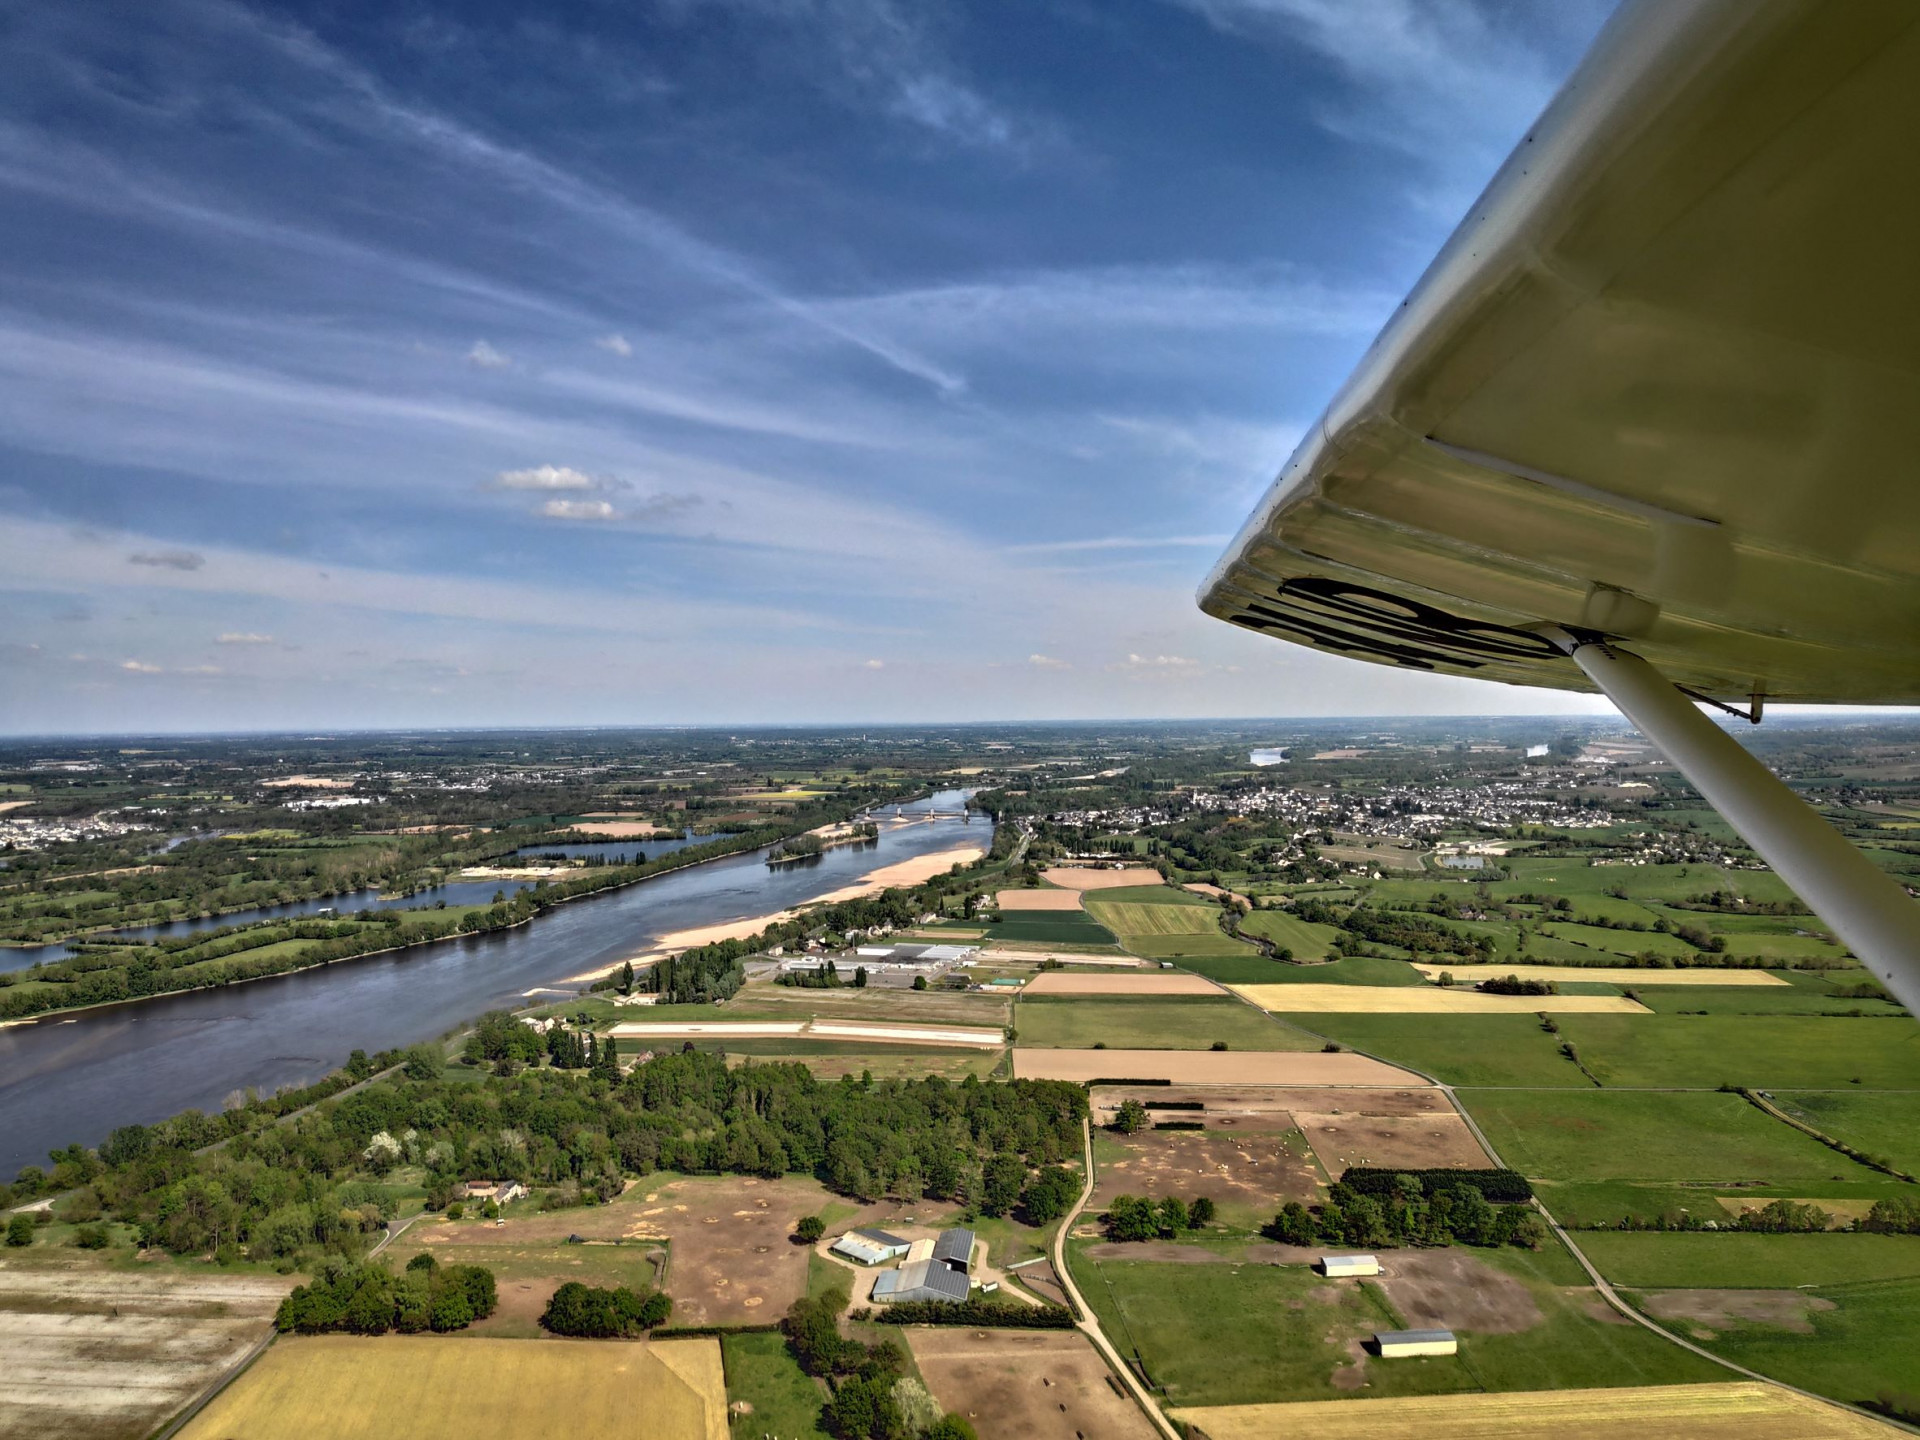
(1662, 385)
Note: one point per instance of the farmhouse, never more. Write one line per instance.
(1337, 1265)
(937, 1269)
(1398, 1344)
(870, 1247)
(498, 1191)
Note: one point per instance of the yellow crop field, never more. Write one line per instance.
(1735, 1411)
(1126, 918)
(1425, 1000)
(1038, 899)
(1607, 975)
(428, 1387)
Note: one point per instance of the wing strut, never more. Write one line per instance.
(1866, 907)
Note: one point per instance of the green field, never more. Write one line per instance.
(1697, 1136)
(1050, 927)
(1130, 920)
(1886, 1126)
(1216, 945)
(1224, 1334)
(1774, 1052)
(1307, 942)
(1357, 970)
(1868, 1343)
(1068, 1022)
(1646, 1259)
(1153, 895)
(1459, 1049)
(1245, 966)
(761, 1371)
(1816, 999)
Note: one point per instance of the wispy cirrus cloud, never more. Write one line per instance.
(579, 510)
(545, 477)
(169, 559)
(242, 637)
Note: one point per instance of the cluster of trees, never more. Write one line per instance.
(599, 1312)
(1894, 1215)
(1512, 985)
(974, 1310)
(500, 1040)
(1410, 1214)
(872, 1396)
(371, 1300)
(1138, 1217)
(292, 1191)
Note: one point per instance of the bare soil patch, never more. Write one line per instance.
(102, 1355)
(1780, 1309)
(1254, 1173)
(1038, 899)
(1026, 1385)
(1455, 1290)
(1075, 878)
(1425, 1000)
(1396, 1142)
(1263, 1107)
(621, 829)
(1210, 1067)
(1056, 982)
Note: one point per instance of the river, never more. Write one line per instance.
(72, 1078)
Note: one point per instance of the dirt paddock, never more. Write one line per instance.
(1264, 1107)
(1719, 1309)
(1453, 1290)
(1026, 1385)
(1390, 1142)
(1255, 1172)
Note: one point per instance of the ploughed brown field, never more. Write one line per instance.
(1738, 1411)
(99, 1354)
(1211, 1067)
(1026, 1384)
(1262, 1107)
(1390, 1142)
(1039, 899)
(1072, 877)
(1058, 982)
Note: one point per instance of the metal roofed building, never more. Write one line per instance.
(1398, 1344)
(917, 955)
(920, 1280)
(869, 1246)
(1349, 1265)
(955, 1247)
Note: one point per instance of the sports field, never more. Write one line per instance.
(1737, 1411)
(1152, 1022)
(425, 1387)
(1426, 1000)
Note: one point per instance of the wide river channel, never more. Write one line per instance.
(68, 1078)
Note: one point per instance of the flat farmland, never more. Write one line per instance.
(100, 1354)
(1262, 1107)
(1248, 1175)
(1698, 977)
(829, 1060)
(940, 1007)
(1209, 1067)
(1774, 1052)
(1696, 1259)
(1128, 920)
(1467, 1050)
(1393, 1142)
(1885, 1125)
(1425, 1000)
(1739, 1411)
(1038, 899)
(1702, 1137)
(1150, 1022)
(1049, 927)
(1159, 982)
(1026, 1385)
(427, 1387)
(1307, 942)
(1353, 970)
(1205, 945)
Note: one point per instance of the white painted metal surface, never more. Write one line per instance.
(1866, 907)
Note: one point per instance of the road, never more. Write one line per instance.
(1088, 1323)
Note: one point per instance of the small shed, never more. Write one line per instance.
(1398, 1344)
(1337, 1265)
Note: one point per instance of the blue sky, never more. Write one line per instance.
(699, 361)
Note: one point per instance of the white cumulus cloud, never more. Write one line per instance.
(1046, 662)
(578, 510)
(486, 357)
(874, 665)
(139, 667)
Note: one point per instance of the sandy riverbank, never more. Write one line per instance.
(913, 871)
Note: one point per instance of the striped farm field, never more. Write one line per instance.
(1736, 1411)
(426, 1387)
(1073, 877)
(1038, 899)
(1607, 974)
(1425, 1000)
(1130, 919)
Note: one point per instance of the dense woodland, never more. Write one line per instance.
(327, 1180)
